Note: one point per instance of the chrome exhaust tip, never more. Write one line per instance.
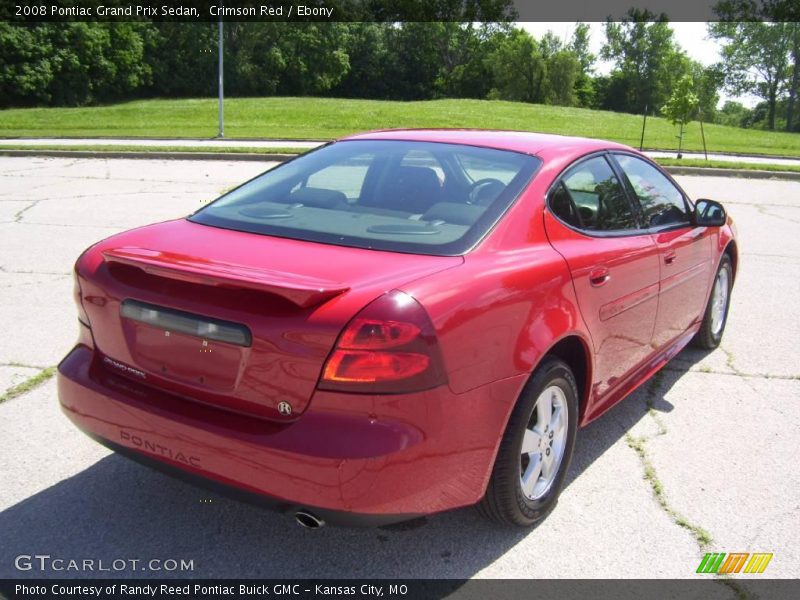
(308, 520)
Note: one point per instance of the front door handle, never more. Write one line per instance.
(599, 276)
(670, 256)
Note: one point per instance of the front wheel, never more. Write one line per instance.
(716, 315)
(536, 448)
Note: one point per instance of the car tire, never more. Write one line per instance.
(719, 300)
(516, 494)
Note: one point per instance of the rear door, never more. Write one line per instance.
(614, 264)
(684, 249)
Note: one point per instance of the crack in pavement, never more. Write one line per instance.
(638, 444)
(104, 196)
(760, 255)
(764, 211)
(775, 204)
(31, 383)
(81, 226)
(19, 214)
(28, 189)
(27, 283)
(729, 362)
(708, 371)
(16, 272)
(89, 177)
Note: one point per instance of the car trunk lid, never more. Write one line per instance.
(237, 320)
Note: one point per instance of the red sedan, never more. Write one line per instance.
(398, 323)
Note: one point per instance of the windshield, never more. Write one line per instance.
(420, 197)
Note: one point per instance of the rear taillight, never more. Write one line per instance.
(390, 347)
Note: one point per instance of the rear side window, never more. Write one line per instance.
(591, 197)
(420, 197)
(662, 203)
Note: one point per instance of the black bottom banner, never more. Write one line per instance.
(411, 589)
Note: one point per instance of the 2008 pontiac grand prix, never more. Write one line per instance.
(398, 323)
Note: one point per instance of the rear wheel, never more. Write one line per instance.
(536, 449)
(710, 334)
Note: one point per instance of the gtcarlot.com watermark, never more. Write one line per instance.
(47, 563)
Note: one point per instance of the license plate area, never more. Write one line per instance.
(168, 319)
(172, 345)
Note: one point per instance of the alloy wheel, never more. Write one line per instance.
(719, 301)
(543, 443)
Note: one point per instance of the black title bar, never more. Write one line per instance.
(33, 11)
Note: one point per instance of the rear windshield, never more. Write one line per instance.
(419, 197)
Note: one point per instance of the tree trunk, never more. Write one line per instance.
(795, 79)
(790, 102)
(772, 101)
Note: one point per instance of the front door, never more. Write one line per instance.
(590, 221)
(684, 250)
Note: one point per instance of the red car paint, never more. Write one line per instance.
(495, 312)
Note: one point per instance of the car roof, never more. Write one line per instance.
(543, 145)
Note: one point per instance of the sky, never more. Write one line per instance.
(692, 37)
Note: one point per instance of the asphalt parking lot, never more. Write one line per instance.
(717, 434)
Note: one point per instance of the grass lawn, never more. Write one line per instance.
(726, 164)
(326, 118)
(10, 145)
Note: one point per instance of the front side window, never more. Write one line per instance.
(662, 203)
(591, 198)
(420, 197)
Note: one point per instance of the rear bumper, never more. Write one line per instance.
(352, 459)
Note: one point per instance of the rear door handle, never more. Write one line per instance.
(599, 276)
(670, 256)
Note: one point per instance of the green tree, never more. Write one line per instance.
(562, 73)
(764, 64)
(519, 68)
(183, 58)
(368, 56)
(97, 62)
(466, 70)
(707, 82)
(72, 63)
(681, 106)
(561, 69)
(579, 45)
(755, 59)
(26, 64)
(647, 61)
(414, 62)
(315, 57)
(286, 58)
(794, 82)
(733, 113)
(550, 45)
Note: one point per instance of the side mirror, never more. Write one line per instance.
(709, 213)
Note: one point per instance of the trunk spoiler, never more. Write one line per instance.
(302, 291)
